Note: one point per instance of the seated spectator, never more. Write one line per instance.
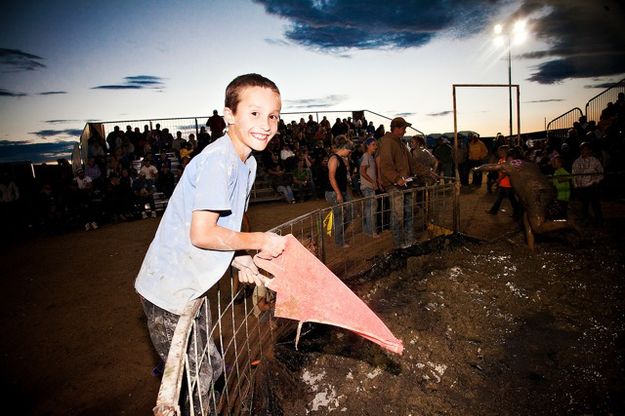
(186, 151)
(302, 180)
(92, 170)
(166, 141)
(287, 157)
(281, 181)
(183, 164)
(143, 190)
(163, 159)
(95, 148)
(165, 182)
(194, 144)
(148, 171)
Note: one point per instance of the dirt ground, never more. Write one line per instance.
(488, 328)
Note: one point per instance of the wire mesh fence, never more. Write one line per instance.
(222, 337)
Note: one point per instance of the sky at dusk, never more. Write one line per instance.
(64, 63)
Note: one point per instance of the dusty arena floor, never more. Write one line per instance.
(488, 328)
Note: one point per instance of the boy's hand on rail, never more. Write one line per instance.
(248, 272)
(272, 246)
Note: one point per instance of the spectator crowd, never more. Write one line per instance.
(128, 173)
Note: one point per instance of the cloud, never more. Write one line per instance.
(59, 121)
(15, 60)
(324, 102)
(136, 82)
(440, 113)
(52, 93)
(7, 93)
(585, 38)
(277, 42)
(21, 150)
(602, 85)
(336, 25)
(13, 142)
(45, 134)
(550, 100)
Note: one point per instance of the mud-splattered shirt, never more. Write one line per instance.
(174, 271)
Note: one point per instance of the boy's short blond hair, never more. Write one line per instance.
(233, 90)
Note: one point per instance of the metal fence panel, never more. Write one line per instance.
(243, 327)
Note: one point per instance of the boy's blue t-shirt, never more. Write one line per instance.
(174, 271)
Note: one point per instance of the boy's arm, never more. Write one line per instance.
(207, 234)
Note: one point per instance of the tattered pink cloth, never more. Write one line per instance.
(307, 291)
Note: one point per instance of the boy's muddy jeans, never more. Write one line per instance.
(369, 208)
(161, 325)
(402, 221)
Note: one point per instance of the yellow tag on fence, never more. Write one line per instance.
(328, 222)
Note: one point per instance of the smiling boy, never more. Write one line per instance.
(199, 235)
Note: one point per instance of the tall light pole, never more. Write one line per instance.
(517, 34)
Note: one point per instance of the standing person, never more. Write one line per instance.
(198, 237)
(460, 157)
(505, 188)
(368, 186)
(336, 188)
(422, 155)
(203, 140)
(216, 124)
(396, 166)
(562, 183)
(587, 186)
(444, 154)
(477, 152)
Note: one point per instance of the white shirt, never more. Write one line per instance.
(286, 153)
(150, 172)
(83, 183)
(589, 164)
(174, 271)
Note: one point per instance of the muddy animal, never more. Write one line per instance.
(536, 194)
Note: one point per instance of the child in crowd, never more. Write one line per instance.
(199, 235)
